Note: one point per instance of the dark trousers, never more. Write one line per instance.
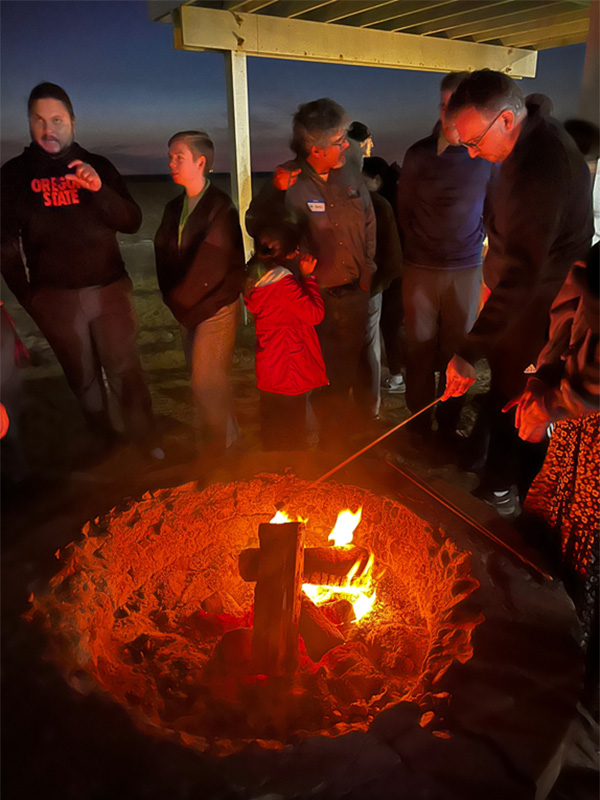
(91, 330)
(440, 307)
(341, 335)
(509, 459)
(283, 421)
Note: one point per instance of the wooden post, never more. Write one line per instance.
(277, 600)
(321, 564)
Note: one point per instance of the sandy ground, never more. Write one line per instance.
(47, 510)
(52, 427)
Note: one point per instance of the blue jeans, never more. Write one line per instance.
(208, 351)
(367, 387)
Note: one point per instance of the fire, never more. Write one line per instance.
(344, 528)
(357, 588)
(279, 518)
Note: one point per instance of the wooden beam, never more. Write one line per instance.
(239, 137)
(340, 9)
(247, 6)
(519, 12)
(271, 37)
(478, 18)
(545, 25)
(559, 41)
(294, 8)
(401, 8)
(575, 31)
(428, 16)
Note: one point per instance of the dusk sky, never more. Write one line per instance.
(131, 89)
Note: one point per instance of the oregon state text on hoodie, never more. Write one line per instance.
(67, 233)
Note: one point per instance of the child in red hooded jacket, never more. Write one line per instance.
(289, 363)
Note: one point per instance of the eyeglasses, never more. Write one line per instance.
(341, 143)
(474, 144)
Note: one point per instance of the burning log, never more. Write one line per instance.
(322, 565)
(319, 634)
(277, 598)
(341, 612)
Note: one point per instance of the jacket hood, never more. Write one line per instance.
(260, 296)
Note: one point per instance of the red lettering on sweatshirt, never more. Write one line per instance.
(56, 191)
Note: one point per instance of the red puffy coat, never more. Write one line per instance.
(288, 353)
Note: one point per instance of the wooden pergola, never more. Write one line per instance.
(431, 35)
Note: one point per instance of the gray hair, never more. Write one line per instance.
(199, 142)
(452, 81)
(314, 122)
(487, 91)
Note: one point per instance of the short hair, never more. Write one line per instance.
(487, 91)
(312, 123)
(199, 142)
(45, 91)
(276, 240)
(452, 81)
(358, 131)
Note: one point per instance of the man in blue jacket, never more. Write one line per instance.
(441, 194)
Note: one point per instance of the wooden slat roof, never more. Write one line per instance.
(533, 24)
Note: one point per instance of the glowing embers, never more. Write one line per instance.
(358, 586)
(154, 605)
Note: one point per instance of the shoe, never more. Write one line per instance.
(505, 502)
(394, 383)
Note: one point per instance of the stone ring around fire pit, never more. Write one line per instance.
(459, 683)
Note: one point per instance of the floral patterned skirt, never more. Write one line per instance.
(566, 496)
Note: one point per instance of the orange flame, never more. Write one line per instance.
(358, 588)
(344, 528)
(279, 518)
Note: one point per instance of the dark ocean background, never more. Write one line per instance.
(153, 192)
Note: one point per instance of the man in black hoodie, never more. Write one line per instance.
(61, 209)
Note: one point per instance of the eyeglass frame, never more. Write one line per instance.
(340, 145)
(475, 145)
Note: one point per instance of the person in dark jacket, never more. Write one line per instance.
(289, 363)
(64, 205)
(331, 207)
(200, 267)
(385, 295)
(563, 498)
(539, 223)
(441, 195)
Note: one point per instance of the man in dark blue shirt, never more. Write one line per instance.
(441, 193)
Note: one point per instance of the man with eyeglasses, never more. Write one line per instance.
(441, 194)
(334, 212)
(539, 223)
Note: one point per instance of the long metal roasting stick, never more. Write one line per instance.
(467, 518)
(279, 506)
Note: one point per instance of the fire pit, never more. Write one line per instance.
(156, 606)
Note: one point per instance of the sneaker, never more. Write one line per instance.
(394, 383)
(505, 502)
